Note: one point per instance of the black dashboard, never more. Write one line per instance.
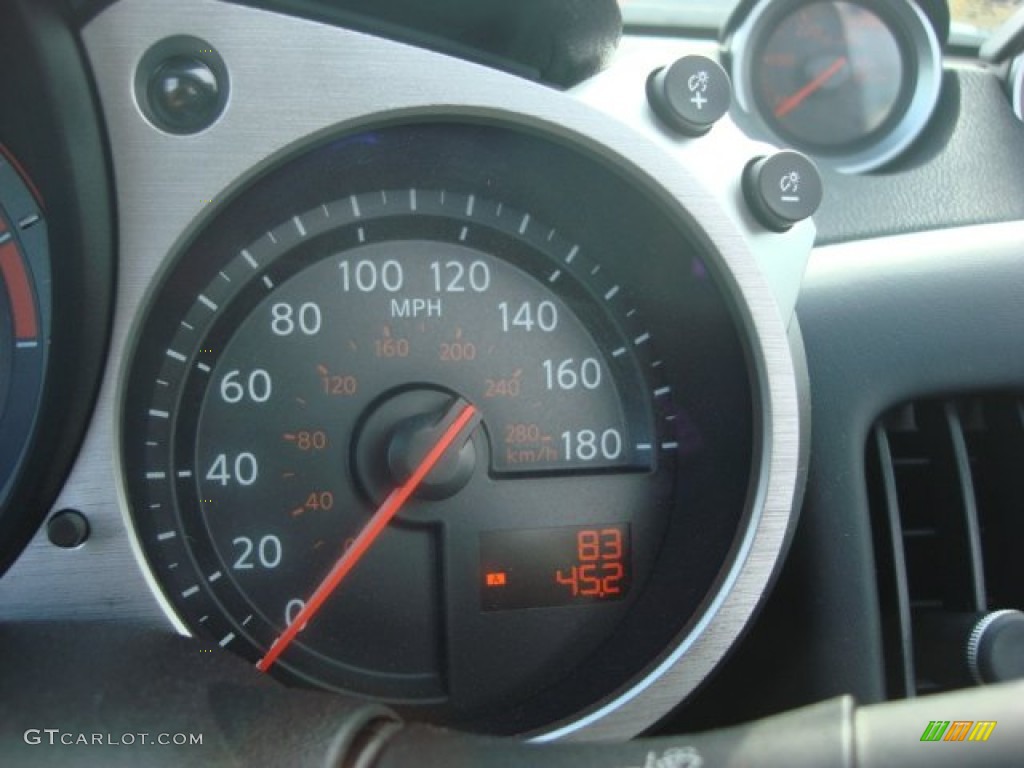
(482, 371)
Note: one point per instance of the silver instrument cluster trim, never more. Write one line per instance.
(927, 63)
(293, 81)
(1017, 86)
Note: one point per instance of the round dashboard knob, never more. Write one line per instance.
(995, 647)
(954, 650)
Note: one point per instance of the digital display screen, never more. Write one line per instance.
(544, 567)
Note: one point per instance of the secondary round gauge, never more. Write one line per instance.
(24, 273)
(402, 422)
(853, 82)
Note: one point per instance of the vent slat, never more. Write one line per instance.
(896, 599)
(971, 545)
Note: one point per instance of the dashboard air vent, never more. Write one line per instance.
(946, 484)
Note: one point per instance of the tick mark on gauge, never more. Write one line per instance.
(203, 619)
(555, 275)
(644, 446)
(355, 207)
(572, 254)
(470, 204)
(326, 210)
(246, 620)
(248, 257)
(156, 475)
(206, 302)
(28, 221)
(524, 225)
(595, 270)
(551, 235)
(268, 282)
(186, 326)
(26, 344)
(412, 199)
(226, 639)
(463, 234)
(362, 234)
(159, 414)
(166, 535)
(272, 238)
(225, 277)
(215, 575)
(190, 591)
(4, 237)
(162, 383)
(185, 473)
(642, 339)
(175, 355)
(619, 352)
(631, 313)
(612, 293)
(299, 226)
(669, 446)
(662, 391)
(203, 367)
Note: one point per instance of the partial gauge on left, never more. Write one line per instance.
(24, 299)
(852, 82)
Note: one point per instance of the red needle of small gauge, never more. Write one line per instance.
(378, 522)
(794, 101)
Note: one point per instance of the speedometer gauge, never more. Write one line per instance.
(404, 428)
(852, 82)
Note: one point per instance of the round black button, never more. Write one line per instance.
(691, 95)
(67, 529)
(184, 95)
(782, 189)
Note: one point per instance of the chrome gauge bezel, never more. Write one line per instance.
(919, 43)
(1017, 86)
(166, 186)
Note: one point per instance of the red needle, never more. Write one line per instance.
(794, 101)
(378, 522)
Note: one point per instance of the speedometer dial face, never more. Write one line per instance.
(293, 409)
